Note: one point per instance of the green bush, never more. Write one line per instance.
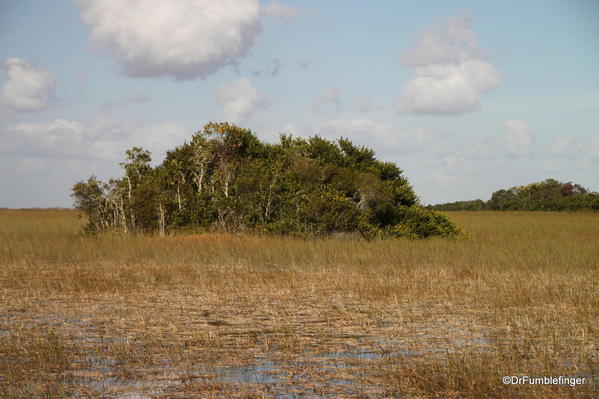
(417, 222)
(548, 195)
(225, 178)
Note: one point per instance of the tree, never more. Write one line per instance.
(549, 194)
(137, 166)
(90, 198)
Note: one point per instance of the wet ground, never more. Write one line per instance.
(205, 346)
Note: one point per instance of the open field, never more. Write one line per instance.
(220, 316)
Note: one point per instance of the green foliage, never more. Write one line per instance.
(417, 222)
(474, 205)
(548, 195)
(226, 179)
(90, 198)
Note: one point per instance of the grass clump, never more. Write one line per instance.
(35, 366)
(480, 374)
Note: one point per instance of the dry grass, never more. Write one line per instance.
(172, 317)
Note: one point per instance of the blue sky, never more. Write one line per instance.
(466, 96)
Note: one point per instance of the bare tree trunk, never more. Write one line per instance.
(227, 179)
(198, 178)
(132, 215)
(363, 204)
(123, 217)
(182, 181)
(130, 188)
(179, 197)
(201, 180)
(161, 221)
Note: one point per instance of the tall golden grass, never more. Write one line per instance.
(448, 317)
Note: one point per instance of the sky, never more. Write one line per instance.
(467, 97)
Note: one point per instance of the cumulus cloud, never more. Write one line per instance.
(385, 138)
(450, 71)
(365, 104)
(26, 87)
(517, 137)
(102, 138)
(281, 11)
(330, 98)
(567, 146)
(358, 128)
(578, 151)
(456, 169)
(240, 100)
(478, 148)
(184, 39)
(449, 42)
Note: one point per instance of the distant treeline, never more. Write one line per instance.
(227, 179)
(548, 195)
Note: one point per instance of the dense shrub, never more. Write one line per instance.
(548, 195)
(226, 179)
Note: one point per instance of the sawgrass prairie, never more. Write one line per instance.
(226, 316)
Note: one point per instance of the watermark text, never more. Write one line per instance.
(559, 380)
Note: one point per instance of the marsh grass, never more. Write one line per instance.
(46, 354)
(452, 315)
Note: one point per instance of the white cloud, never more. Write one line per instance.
(184, 39)
(161, 137)
(449, 42)
(450, 72)
(291, 129)
(579, 152)
(448, 88)
(567, 146)
(282, 11)
(517, 137)
(478, 148)
(386, 139)
(358, 128)
(26, 88)
(102, 138)
(330, 98)
(240, 100)
(365, 104)
(456, 169)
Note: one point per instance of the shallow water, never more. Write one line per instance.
(265, 372)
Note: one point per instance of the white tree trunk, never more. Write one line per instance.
(161, 220)
(179, 197)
